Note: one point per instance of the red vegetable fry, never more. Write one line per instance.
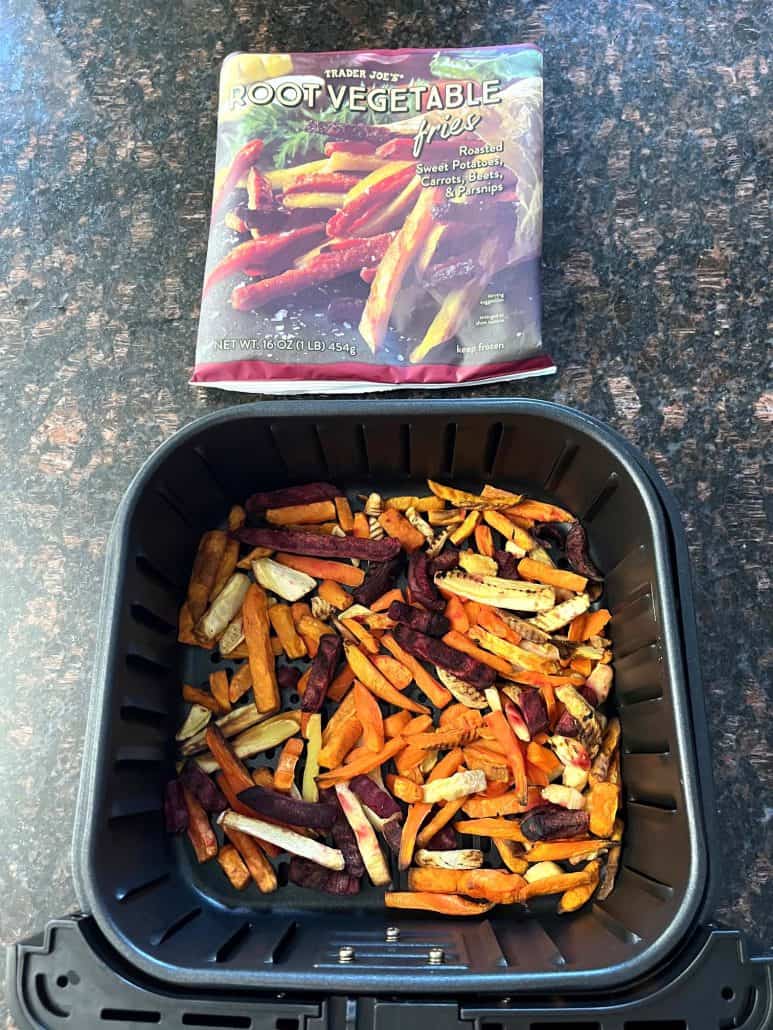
(256, 255)
(332, 182)
(318, 545)
(242, 162)
(349, 146)
(378, 581)
(377, 799)
(342, 221)
(421, 585)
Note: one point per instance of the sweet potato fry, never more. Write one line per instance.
(498, 828)
(404, 789)
(575, 898)
(368, 674)
(382, 603)
(484, 541)
(434, 879)
(466, 528)
(456, 615)
(499, 522)
(218, 684)
(398, 675)
(444, 815)
(421, 504)
(417, 813)
(538, 572)
(320, 568)
(205, 569)
(361, 526)
(261, 657)
(334, 594)
(394, 725)
(448, 737)
(602, 804)
(555, 885)
(565, 850)
(362, 635)
(369, 714)
(281, 619)
(506, 804)
(437, 694)
(543, 758)
(338, 746)
(200, 832)
(255, 554)
(462, 643)
(200, 697)
(251, 851)
(284, 775)
(498, 724)
(233, 769)
(399, 528)
(226, 568)
(365, 764)
(341, 684)
(312, 630)
(344, 514)
(512, 856)
(445, 904)
(232, 864)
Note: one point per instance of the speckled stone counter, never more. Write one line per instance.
(656, 261)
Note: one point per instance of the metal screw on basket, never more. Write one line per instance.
(392, 934)
(345, 954)
(436, 956)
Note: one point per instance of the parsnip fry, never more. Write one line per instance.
(291, 841)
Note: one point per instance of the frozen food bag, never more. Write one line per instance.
(376, 222)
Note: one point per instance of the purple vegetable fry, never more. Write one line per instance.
(577, 554)
(551, 533)
(287, 677)
(567, 726)
(392, 832)
(312, 814)
(444, 840)
(343, 837)
(208, 794)
(319, 545)
(429, 649)
(552, 822)
(284, 498)
(306, 873)
(175, 809)
(376, 798)
(533, 708)
(507, 565)
(322, 673)
(445, 561)
(431, 623)
(421, 584)
(379, 579)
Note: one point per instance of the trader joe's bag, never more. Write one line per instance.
(376, 221)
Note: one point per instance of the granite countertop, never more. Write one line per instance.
(656, 261)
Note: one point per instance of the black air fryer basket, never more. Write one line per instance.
(169, 936)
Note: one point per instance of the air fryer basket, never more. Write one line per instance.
(181, 922)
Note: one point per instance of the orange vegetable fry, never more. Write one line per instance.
(259, 867)
(399, 528)
(369, 714)
(447, 737)
(549, 696)
(417, 813)
(602, 805)
(338, 747)
(494, 790)
(576, 631)
(200, 832)
(300, 514)
(226, 568)
(284, 775)
(456, 614)
(383, 602)
(322, 568)
(462, 643)
(503, 732)
(204, 573)
(303, 682)
(185, 634)
(298, 610)
(496, 828)
(241, 682)
(563, 850)
(334, 594)
(232, 864)
(378, 622)
(404, 789)
(409, 759)
(341, 684)
(270, 849)
(419, 724)
(345, 711)
(253, 555)
(218, 684)
(595, 622)
(539, 511)
(543, 758)
(281, 619)
(555, 885)
(263, 777)
(344, 513)
(488, 619)
(493, 765)
(398, 675)
(276, 647)
(484, 541)
(512, 856)
(312, 630)
(367, 673)
(440, 819)
(510, 529)
(262, 663)
(364, 765)
(458, 713)
(491, 885)
(485, 808)
(434, 879)
(537, 777)
(428, 685)
(466, 529)
(202, 697)
(446, 904)
(232, 767)
(366, 639)
(395, 724)
(581, 665)
(538, 572)
(472, 611)
(361, 527)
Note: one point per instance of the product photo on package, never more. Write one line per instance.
(376, 222)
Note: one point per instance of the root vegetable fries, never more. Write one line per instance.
(260, 256)
(398, 675)
(380, 218)
(232, 767)
(558, 884)
(451, 788)
(341, 684)
(417, 813)
(456, 615)
(583, 627)
(317, 511)
(312, 630)
(399, 528)
(484, 541)
(602, 803)
(383, 602)
(365, 835)
(369, 714)
(238, 806)
(445, 737)
(218, 684)
(226, 568)
(344, 514)
(445, 904)
(200, 697)
(243, 160)
(338, 746)
(558, 616)
(251, 851)
(232, 864)
(309, 789)
(462, 643)
(364, 764)
(293, 201)
(254, 555)
(488, 619)
(319, 568)
(504, 734)
(368, 674)
(466, 529)
(282, 178)
(261, 658)
(395, 724)
(466, 858)
(505, 804)
(334, 594)
(540, 511)
(511, 856)
(437, 694)
(351, 161)
(543, 758)
(540, 573)
(404, 789)
(496, 828)
(393, 267)
(361, 635)
(289, 840)
(284, 775)
(434, 879)
(361, 527)
(576, 897)
(200, 832)
(204, 573)
(499, 522)
(513, 654)
(421, 504)
(439, 821)
(281, 619)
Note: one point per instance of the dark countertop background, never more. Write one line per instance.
(657, 256)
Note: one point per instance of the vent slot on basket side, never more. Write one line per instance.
(213, 1020)
(130, 1016)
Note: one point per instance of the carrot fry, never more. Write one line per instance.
(555, 884)
(202, 697)
(488, 619)
(459, 713)
(281, 619)
(395, 724)
(451, 736)
(386, 599)
(334, 594)
(538, 572)
(300, 514)
(363, 765)
(341, 684)
(260, 869)
(398, 675)
(496, 828)
(399, 528)
(369, 714)
(505, 804)
(365, 671)
(456, 615)
(539, 511)
(446, 904)
(503, 732)
(232, 864)
(199, 830)
(364, 637)
(543, 758)
(511, 855)
(439, 820)
(361, 527)
(484, 541)
(581, 665)
(218, 684)
(409, 760)
(284, 775)
(262, 665)
(434, 879)
(322, 568)
(595, 622)
(428, 685)
(232, 767)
